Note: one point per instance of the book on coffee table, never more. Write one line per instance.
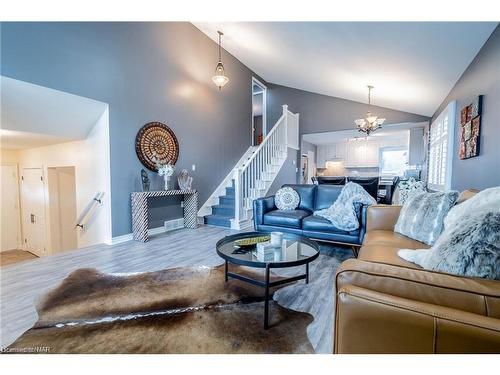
(266, 251)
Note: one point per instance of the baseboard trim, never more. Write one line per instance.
(167, 227)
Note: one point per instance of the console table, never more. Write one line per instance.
(140, 210)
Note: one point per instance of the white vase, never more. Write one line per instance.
(166, 180)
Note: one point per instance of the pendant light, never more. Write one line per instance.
(371, 122)
(220, 79)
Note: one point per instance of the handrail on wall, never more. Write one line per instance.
(80, 222)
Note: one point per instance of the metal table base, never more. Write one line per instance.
(266, 284)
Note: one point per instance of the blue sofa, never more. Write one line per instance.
(301, 221)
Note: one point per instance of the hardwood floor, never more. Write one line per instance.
(15, 256)
(23, 283)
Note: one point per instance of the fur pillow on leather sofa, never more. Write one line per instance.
(422, 216)
(470, 243)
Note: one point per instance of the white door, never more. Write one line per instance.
(33, 210)
(10, 219)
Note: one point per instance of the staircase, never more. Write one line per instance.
(223, 212)
(231, 203)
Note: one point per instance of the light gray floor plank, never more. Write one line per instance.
(23, 283)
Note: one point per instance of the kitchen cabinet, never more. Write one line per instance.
(362, 153)
(321, 156)
(330, 152)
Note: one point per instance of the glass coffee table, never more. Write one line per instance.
(295, 251)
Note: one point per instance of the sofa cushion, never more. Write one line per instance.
(307, 195)
(391, 239)
(326, 195)
(288, 218)
(320, 224)
(383, 253)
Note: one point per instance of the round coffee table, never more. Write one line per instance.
(295, 251)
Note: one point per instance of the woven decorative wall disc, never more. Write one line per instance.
(156, 140)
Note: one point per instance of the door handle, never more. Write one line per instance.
(32, 219)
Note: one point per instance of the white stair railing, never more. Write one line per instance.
(206, 208)
(250, 181)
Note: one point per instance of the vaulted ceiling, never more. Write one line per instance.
(413, 65)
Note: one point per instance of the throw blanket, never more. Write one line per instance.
(342, 213)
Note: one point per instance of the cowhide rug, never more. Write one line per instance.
(180, 310)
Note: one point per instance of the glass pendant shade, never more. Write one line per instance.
(370, 118)
(360, 122)
(220, 79)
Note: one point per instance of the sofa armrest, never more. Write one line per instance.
(474, 295)
(382, 217)
(368, 321)
(262, 206)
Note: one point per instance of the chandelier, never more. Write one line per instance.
(220, 78)
(371, 122)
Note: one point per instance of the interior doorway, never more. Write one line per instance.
(10, 211)
(259, 125)
(62, 214)
(308, 167)
(33, 210)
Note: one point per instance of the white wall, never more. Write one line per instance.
(9, 157)
(10, 212)
(62, 201)
(90, 157)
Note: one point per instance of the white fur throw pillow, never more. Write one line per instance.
(470, 242)
(423, 214)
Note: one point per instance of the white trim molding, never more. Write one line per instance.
(168, 226)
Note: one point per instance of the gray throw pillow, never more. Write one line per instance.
(286, 199)
(422, 215)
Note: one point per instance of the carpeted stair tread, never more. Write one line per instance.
(219, 220)
(223, 209)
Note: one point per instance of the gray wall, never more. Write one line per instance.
(321, 113)
(482, 77)
(306, 146)
(145, 72)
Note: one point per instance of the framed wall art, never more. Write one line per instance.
(470, 128)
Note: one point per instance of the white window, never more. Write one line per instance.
(441, 138)
(393, 161)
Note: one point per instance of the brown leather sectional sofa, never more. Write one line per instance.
(387, 305)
